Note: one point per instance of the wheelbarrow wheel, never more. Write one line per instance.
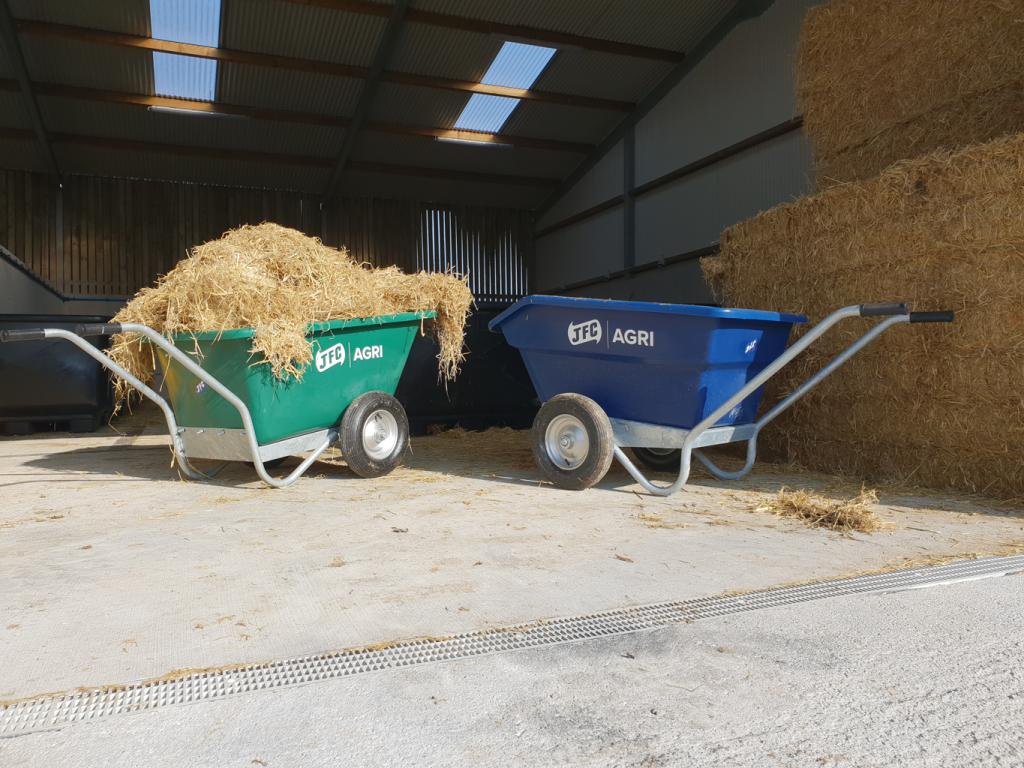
(573, 442)
(659, 459)
(374, 434)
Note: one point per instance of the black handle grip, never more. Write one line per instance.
(97, 329)
(29, 334)
(884, 310)
(931, 317)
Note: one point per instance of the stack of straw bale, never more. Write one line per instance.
(938, 405)
(886, 81)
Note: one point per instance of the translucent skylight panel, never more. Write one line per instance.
(485, 113)
(185, 21)
(515, 66)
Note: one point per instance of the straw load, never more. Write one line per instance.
(886, 81)
(938, 405)
(278, 281)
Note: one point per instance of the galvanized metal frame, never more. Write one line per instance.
(637, 434)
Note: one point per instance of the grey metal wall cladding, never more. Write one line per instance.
(675, 284)
(439, 52)
(422, 151)
(281, 89)
(67, 62)
(305, 32)
(580, 251)
(587, 73)
(130, 164)
(744, 86)
(692, 212)
(410, 105)
(602, 182)
(14, 110)
(557, 121)
(395, 187)
(128, 16)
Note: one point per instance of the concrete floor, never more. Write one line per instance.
(929, 677)
(115, 570)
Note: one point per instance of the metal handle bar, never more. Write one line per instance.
(899, 313)
(35, 334)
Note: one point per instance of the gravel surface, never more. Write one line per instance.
(928, 677)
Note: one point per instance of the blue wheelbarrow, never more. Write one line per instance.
(662, 379)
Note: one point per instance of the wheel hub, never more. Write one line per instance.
(380, 435)
(567, 442)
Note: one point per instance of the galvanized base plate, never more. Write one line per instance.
(638, 434)
(233, 444)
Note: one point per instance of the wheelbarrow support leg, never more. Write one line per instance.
(250, 432)
(899, 313)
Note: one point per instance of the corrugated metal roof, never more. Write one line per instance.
(321, 34)
(409, 105)
(68, 62)
(134, 123)
(14, 111)
(669, 24)
(572, 16)
(283, 89)
(440, 52)
(6, 69)
(146, 165)
(556, 121)
(435, 190)
(130, 17)
(301, 31)
(424, 152)
(586, 73)
(21, 156)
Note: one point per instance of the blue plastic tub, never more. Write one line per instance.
(669, 364)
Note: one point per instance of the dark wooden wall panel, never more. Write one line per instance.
(110, 237)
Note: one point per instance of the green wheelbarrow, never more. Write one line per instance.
(228, 409)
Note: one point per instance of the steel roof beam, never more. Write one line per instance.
(386, 46)
(10, 40)
(213, 153)
(300, 118)
(99, 37)
(514, 32)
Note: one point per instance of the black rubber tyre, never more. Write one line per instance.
(573, 442)
(374, 434)
(659, 459)
(272, 464)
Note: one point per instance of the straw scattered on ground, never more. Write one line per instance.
(885, 81)
(278, 281)
(845, 515)
(938, 405)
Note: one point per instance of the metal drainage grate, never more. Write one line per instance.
(51, 712)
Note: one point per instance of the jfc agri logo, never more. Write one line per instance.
(580, 333)
(328, 358)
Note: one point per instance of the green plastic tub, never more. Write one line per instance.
(350, 357)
